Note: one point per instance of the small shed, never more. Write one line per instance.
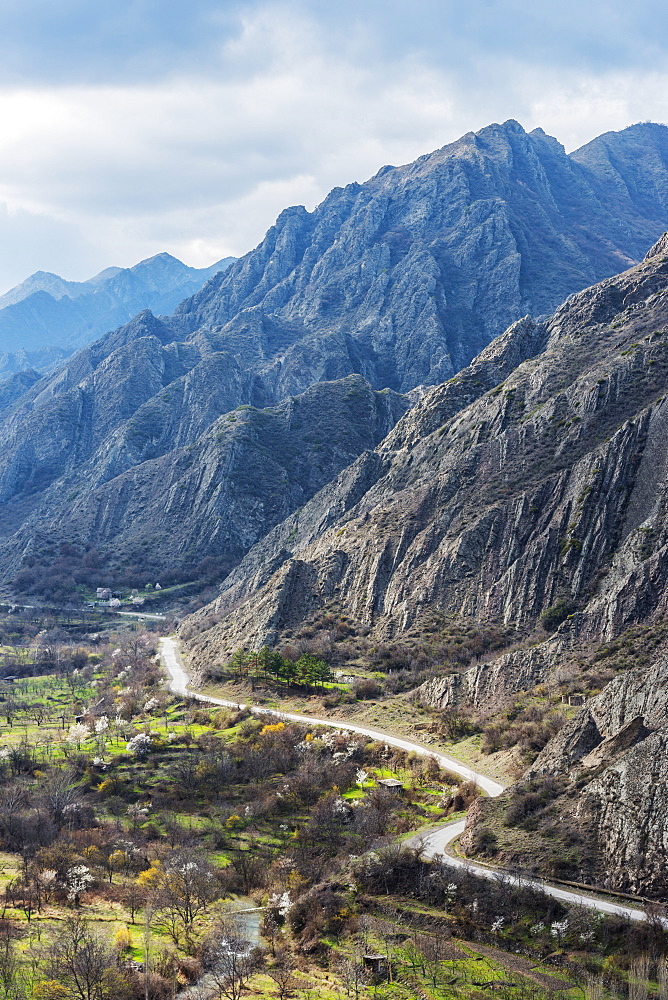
(392, 784)
(378, 966)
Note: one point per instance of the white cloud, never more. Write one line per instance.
(200, 164)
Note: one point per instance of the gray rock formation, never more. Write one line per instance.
(222, 484)
(545, 492)
(407, 277)
(401, 280)
(615, 750)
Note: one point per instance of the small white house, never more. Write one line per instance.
(103, 593)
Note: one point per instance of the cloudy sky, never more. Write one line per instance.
(132, 127)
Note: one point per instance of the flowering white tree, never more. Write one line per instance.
(140, 745)
(101, 725)
(558, 929)
(184, 889)
(77, 880)
(137, 813)
(78, 733)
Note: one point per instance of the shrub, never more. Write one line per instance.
(552, 618)
(367, 688)
(484, 841)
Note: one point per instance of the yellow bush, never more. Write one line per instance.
(122, 939)
(109, 786)
(150, 875)
(276, 727)
(49, 989)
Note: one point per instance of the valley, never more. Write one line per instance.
(337, 594)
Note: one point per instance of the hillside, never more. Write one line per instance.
(401, 280)
(531, 477)
(529, 490)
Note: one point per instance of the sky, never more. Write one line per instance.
(140, 126)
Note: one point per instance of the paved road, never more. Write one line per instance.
(433, 844)
(143, 615)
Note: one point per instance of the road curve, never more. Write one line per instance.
(434, 843)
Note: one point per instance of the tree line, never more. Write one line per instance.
(270, 665)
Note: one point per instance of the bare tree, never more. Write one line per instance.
(355, 977)
(283, 974)
(9, 963)
(184, 889)
(83, 963)
(231, 958)
(435, 949)
(639, 975)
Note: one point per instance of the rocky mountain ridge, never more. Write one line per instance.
(46, 318)
(405, 278)
(400, 280)
(210, 498)
(499, 501)
(531, 488)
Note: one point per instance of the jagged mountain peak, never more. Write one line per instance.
(45, 312)
(401, 280)
(659, 249)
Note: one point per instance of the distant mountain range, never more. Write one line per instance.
(400, 281)
(46, 318)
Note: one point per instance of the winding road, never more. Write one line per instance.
(435, 842)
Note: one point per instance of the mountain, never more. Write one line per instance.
(197, 508)
(531, 490)
(407, 277)
(533, 476)
(400, 281)
(45, 312)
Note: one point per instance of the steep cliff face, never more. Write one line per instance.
(609, 768)
(545, 491)
(407, 277)
(401, 280)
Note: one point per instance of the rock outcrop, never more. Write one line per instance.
(613, 754)
(214, 494)
(544, 495)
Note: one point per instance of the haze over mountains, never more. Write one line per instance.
(45, 318)
(401, 280)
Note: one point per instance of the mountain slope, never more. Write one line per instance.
(197, 507)
(400, 280)
(411, 274)
(538, 500)
(497, 502)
